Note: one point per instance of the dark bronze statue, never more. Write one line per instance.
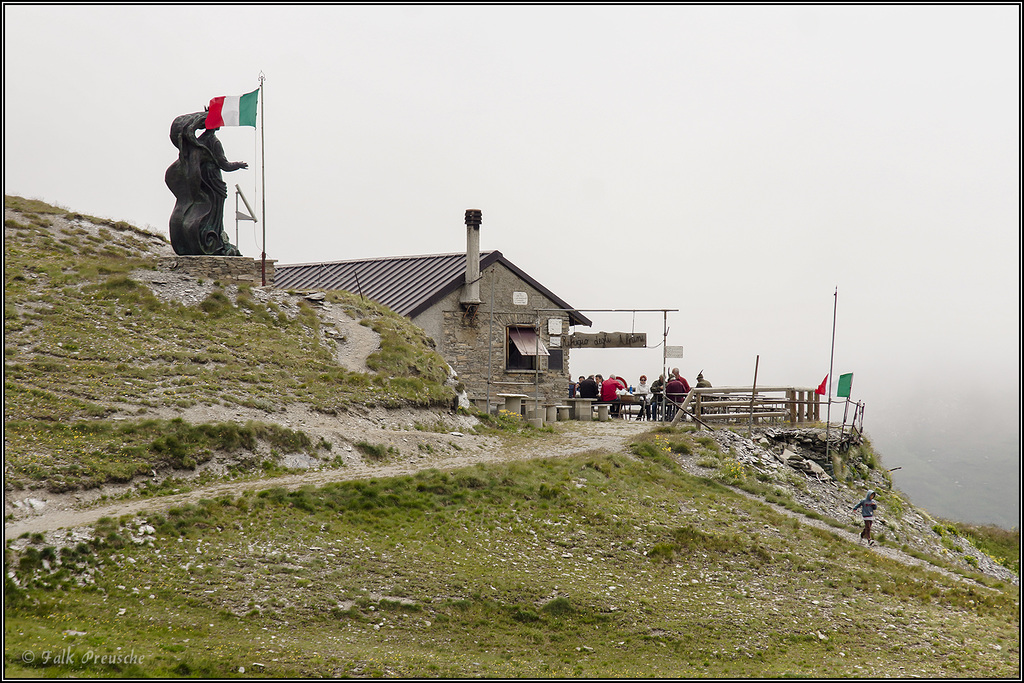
(197, 221)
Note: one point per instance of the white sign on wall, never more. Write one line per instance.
(554, 342)
(554, 326)
(520, 298)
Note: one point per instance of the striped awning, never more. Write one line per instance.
(527, 343)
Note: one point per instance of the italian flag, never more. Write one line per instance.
(232, 111)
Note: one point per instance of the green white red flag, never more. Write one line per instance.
(821, 387)
(232, 111)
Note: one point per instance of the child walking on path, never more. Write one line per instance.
(867, 510)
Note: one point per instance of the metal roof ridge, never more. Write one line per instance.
(382, 258)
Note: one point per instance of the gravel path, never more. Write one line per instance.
(450, 450)
(56, 511)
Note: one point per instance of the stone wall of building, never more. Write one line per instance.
(476, 346)
(234, 270)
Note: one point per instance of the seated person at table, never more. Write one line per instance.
(643, 392)
(675, 373)
(676, 391)
(657, 389)
(588, 388)
(610, 392)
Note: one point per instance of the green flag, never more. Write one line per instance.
(845, 384)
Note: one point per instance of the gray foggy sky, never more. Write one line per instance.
(736, 163)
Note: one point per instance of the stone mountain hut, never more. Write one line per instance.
(491, 321)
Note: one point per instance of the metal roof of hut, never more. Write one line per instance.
(407, 285)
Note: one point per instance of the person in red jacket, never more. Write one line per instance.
(686, 385)
(676, 391)
(610, 392)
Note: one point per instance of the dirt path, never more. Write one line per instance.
(571, 438)
(887, 551)
(354, 341)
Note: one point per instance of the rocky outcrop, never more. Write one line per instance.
(809, 450)
(756, 455)
(812, 441)
(796, 448)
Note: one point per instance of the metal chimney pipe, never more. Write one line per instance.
(471, 292)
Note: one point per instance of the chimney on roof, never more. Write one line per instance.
(471, 292)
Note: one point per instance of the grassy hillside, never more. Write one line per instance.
(604, 566)
(612, 564)
(91, 355)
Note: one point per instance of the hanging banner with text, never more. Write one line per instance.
(608, 340)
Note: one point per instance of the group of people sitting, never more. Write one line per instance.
(648, 397)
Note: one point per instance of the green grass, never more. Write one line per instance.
(1001, 545)
(84, 340)
(583, 567)
(85, 454)
(376, 452)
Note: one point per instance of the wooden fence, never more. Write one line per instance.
(795, 405)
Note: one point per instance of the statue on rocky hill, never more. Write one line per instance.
(197, 221)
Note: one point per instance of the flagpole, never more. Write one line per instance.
(753, 393)
(263, 190)
(831, 358)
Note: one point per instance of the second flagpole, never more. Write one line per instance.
(831, 358)
(263, 190)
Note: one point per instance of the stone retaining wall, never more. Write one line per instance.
(234, 270)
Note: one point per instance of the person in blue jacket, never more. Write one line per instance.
(867, 510)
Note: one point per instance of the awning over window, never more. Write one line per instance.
(527, 343)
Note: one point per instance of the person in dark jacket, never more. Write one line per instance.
(588, 388)
(657, 392)
(867, 511)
